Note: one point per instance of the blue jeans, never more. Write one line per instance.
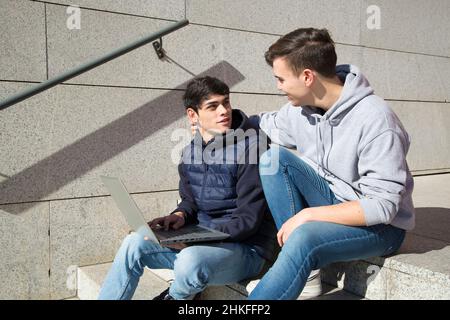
(194, 267)
(316, 244)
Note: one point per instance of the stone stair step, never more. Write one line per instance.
(154, 282)
(418, 271)
(421, 268)
(90, 279)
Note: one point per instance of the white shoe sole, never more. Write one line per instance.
(312, 289)
(313, 286)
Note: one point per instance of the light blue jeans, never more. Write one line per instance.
(313, 245)
(194, 267)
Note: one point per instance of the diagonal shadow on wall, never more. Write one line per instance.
(89, 152)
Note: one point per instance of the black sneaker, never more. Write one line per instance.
(198, 296)
(164, 295)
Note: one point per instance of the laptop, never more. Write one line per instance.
(137, 223)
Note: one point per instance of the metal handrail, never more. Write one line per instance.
(25, 94)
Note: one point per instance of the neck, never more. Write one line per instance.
(327, 92)
(206, 136)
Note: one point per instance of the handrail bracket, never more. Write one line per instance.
(158, 46)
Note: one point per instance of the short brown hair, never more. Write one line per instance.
(305, 48)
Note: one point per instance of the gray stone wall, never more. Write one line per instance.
(118, 119)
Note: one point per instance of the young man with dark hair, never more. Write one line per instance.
(220, 188)
(346, 193)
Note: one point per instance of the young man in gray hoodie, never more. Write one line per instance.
(346, 193)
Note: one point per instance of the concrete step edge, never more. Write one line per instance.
(155, 281)
(396, 281)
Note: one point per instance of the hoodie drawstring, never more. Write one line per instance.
(318, 141)
(320, 146)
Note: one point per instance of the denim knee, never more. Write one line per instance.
(302, 243)
(276, 157)
(275, 152)
(191, 268)
(269, 162)
(135, 245)
(265, 158)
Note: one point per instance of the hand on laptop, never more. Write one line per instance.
(174, 221)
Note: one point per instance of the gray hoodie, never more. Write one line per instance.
(359, 146)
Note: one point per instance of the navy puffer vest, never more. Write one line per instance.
(212, 168)
(211, 173)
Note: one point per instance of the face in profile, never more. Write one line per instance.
(289, 83)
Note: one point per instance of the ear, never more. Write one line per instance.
(308, 77)
(192, 115)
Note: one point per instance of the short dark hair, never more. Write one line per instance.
(305, 48)
(199, 89)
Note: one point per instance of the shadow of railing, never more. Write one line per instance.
(41, 179)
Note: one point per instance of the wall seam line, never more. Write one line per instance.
(107, 11)
(46, 40)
